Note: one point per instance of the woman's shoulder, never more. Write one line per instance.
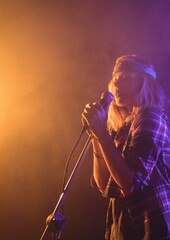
(150, 113)
(151, 122)
(149, 110)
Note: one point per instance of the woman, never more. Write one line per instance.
(131, 149)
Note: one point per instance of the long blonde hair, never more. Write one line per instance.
(149, 95)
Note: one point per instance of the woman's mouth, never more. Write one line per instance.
(118, 94)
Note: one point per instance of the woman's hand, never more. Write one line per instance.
(96, 118)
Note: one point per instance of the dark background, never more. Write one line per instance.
(56, 56)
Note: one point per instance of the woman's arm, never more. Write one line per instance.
(96, 118)
(100, 170)
(116, 164)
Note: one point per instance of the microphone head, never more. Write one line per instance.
(106, 98)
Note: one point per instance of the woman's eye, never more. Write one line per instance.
(115, 79)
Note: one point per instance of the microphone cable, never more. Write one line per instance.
(68, 162)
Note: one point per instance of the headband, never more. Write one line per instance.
(132, 66)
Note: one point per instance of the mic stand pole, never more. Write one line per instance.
(55, 221)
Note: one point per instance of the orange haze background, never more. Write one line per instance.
(56, 56)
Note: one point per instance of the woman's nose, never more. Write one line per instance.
(118, 82)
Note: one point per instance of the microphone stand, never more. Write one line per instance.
(55, 221)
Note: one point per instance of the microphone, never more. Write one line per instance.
(105, 99)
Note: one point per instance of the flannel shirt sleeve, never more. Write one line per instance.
(147, 138)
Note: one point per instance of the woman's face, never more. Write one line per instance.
(125, 87)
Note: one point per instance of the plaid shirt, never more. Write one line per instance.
(145, 146)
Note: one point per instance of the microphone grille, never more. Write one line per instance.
(106, 98)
